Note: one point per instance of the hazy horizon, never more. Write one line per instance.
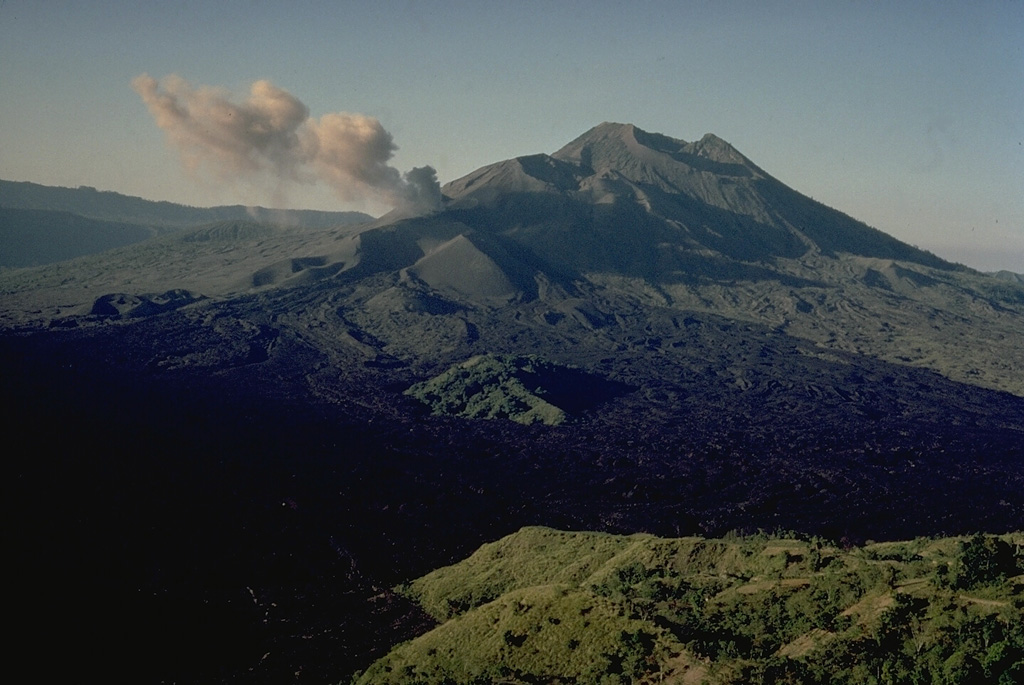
(907, 117)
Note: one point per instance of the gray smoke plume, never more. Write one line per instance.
(271, 132)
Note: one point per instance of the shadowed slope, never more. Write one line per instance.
(29, 237)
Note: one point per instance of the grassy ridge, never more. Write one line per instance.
(550, 606)
(551, 631)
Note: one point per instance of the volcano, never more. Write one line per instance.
(227, 439)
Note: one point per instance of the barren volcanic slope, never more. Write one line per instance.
(227, 458)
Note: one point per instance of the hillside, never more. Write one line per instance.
(548, 606)
(1009, 276)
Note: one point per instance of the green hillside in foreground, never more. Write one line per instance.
(546, 606)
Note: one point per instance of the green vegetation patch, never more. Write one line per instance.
(557, 607)
(532, 557)
(550, 634)
(519, 388)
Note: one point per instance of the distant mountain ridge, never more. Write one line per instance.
(112, 206)
(44, 224)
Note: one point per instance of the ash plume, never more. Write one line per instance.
(270, 132)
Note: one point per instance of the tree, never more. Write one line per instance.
(983, 560)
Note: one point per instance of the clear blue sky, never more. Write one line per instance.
(906, 115)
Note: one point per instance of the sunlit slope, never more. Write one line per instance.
(549, 606)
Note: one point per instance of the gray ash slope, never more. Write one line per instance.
(775, 363)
